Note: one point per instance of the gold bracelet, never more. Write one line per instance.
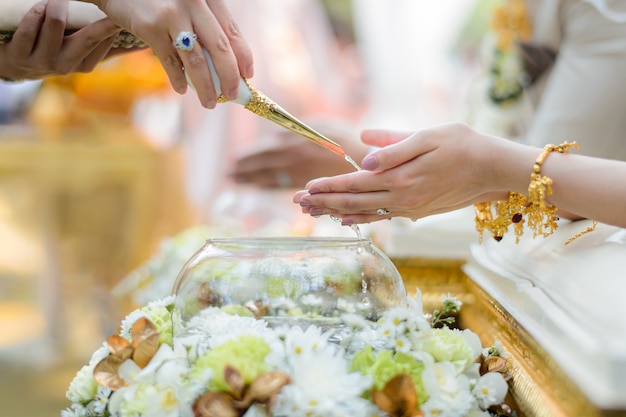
(541, 215)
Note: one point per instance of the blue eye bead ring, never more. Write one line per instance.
(185, 41)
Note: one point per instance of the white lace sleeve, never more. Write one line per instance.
(614, 10)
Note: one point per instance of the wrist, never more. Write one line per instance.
(513, 164)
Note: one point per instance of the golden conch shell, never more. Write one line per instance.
(144, 345)
(398, 397)
(236, 402)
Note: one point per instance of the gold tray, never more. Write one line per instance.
(124, 40)
(539, 387)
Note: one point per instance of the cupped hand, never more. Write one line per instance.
(290, 161)
(39, 48)
(414, 175)
(158, 23)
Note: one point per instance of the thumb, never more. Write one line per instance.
(382, 137)
(379, 160)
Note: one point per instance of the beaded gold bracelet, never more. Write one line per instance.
(541, 217)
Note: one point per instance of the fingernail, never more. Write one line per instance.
(232, 94)
(316, 211)
(211, 104)
(249, 72)
(370, 162)
(314, 191)
(305, 203)
(41, 6)
(347, 222)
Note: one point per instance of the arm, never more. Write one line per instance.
(158, 23)
(452, 166)
(289, 161)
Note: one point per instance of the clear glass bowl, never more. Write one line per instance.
(290, 280)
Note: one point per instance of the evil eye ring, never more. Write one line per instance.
(382, 211)
(185, 41)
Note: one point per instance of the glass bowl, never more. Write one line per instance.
(290, 280)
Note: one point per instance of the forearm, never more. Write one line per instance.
(589, 187)
(582, 186)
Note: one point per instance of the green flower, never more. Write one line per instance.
(385, 365)
(246, 354)
(163, 317)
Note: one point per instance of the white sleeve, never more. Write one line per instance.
(610, 9)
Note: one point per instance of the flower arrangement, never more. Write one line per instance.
(222, 364)
(498, 104)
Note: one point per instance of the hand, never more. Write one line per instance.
(420, 174)
(39, 48)
(158, 23)
(291, 160)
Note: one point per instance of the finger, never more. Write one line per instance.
(398, 153)
(352, 182)
(25, 36)
(197, 68)
(172, 64)
(297, 196)
(382, 137)
(238, 44)
(97, 54)
(333, 203)
(89, 45)
(53, 29)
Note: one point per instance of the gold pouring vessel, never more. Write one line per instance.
(261, 105)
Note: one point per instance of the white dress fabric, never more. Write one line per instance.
(583, 96)
(569, 298)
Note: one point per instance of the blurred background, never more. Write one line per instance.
(97, 169)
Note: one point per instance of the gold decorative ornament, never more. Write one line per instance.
(541, 215)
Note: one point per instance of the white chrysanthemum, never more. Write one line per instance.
(446, 345)
(472, 373)
(311, 300)
(473, 341)
(212, 327)
(300, 342)
(355, 321)
(160, 389)
(159, 312)
(101, 400)
(490, 389)
(154, 400)
(322, 390)
(475, 411)
(100, 353)
(449, 393)
(415, 304)
(76, 410)
(83, 387)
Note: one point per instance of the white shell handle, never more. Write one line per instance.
(244, 94)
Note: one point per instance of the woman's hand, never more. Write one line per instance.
(159, 22)
(431, 171)
(39, 48)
